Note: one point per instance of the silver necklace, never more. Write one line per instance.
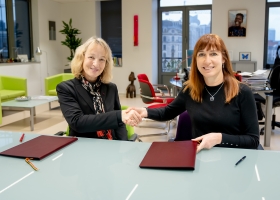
(212, 96)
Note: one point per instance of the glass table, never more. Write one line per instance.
(29, 105)
(81, 171)
(177, 83)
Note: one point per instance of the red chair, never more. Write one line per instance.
(148, 96)
(143, 77)
(157, 87)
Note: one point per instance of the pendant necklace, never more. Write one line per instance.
(212, 96)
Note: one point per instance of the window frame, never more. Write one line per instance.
(265, 50)
(11, 31)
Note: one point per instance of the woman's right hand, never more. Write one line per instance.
(142, 111)
(131, 117)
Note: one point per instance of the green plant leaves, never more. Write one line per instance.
(71, 41)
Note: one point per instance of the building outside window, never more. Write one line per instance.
(272, 31)
(181, 23)
(15, 30)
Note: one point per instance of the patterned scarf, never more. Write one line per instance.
(94, 90)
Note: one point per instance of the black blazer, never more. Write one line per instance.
(77, 108)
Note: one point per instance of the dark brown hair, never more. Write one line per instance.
(196, 81)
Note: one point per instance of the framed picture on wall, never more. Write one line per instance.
(237, 23)
(52, 30)
(244, 55)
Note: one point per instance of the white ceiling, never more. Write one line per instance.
(67, 1)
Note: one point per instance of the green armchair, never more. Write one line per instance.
(52, 81)
(0, 112)
(12, 87)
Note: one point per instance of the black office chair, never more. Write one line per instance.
(184, 128)
(274, 81)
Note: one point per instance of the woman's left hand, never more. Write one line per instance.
(207, 141)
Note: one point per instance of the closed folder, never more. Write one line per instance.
(39, 147)
(171, 155)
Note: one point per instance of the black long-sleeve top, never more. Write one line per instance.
(237, 121)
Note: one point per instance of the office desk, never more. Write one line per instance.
(268, 114)
(176, 84)
(109, 170)
(267, 91)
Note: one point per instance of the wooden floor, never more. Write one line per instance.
(49, 122)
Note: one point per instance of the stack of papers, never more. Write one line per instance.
(245, 74)
(258, 72)
(256, 80)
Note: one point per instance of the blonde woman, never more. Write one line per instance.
(90, 102)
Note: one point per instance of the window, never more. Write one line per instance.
(180, 39)
(111, 26)
(172, 51)
(189, 23)
(166, 3)
(15, 29)
(180, 26)
(272, 32)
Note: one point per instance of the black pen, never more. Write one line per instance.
(239, 161)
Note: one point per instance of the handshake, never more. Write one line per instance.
(133, 116)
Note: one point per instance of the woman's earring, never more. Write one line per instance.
(223, 66)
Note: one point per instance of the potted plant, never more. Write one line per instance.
(71, 41)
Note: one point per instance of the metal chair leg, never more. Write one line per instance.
(156, 134)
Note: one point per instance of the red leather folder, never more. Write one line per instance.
(39, 147)
(171, 155)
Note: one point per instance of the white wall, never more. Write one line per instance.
(43, 11)
(254, 40)
(141, 58)
(85, 17)
(54, 57)
(48, 10)
(31, 71)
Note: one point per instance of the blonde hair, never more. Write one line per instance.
(196, 81)
(77, 62)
